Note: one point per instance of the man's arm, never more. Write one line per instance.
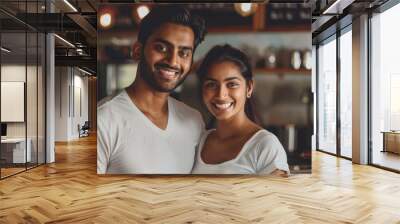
(103, 149)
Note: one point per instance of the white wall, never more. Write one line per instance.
(314, 92)
(70, 83)
(79, 117)
(62, 81)
(14, 73)
(12, 101)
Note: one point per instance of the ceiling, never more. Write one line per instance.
(331, 15)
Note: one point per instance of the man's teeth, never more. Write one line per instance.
(168, 72)
(222, 105)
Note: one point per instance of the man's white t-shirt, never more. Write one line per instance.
(261, 154)
(129, 143)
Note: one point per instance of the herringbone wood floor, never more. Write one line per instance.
(69, 191)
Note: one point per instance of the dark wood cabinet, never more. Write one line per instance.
(391, 142)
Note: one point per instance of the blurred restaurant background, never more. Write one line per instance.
(275, 36)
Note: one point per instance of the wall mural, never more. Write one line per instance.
(204, 89)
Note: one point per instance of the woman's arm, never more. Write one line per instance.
(280, 173)
(272, 157)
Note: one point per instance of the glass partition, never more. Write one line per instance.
(22, 89)
(14, 153)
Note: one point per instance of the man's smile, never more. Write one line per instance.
(167, 72)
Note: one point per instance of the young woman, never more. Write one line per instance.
(238, 145)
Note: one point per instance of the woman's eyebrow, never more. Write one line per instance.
(227, 79)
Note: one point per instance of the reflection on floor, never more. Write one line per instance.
(346, 152)
(10, 169)
(387, 159)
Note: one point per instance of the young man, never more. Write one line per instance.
(143, 130)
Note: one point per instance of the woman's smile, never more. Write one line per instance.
(222, 105)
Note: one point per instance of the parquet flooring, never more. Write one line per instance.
(9, 171)
(69, 191)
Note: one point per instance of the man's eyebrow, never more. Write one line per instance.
(186, 48)
(230, 78)
(210, 79)
(170, 44)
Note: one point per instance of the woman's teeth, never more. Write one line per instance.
(222, 106)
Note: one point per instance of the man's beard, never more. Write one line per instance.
(149, 77)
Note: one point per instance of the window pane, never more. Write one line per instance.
(385, 84)
(327, 97)
(346, 94)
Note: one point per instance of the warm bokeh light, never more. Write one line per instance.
(245, 7)
(105, 20)
(142, 11)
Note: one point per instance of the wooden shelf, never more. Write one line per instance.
(301, 71)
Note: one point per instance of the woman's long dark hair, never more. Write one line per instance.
(221, 53)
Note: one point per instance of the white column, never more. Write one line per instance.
(360, 90)
(314, 93)
(50, 93)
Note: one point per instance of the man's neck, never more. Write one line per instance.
(146, 98)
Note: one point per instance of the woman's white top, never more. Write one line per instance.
(261, 154)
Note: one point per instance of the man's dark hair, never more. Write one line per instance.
(171, 14)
